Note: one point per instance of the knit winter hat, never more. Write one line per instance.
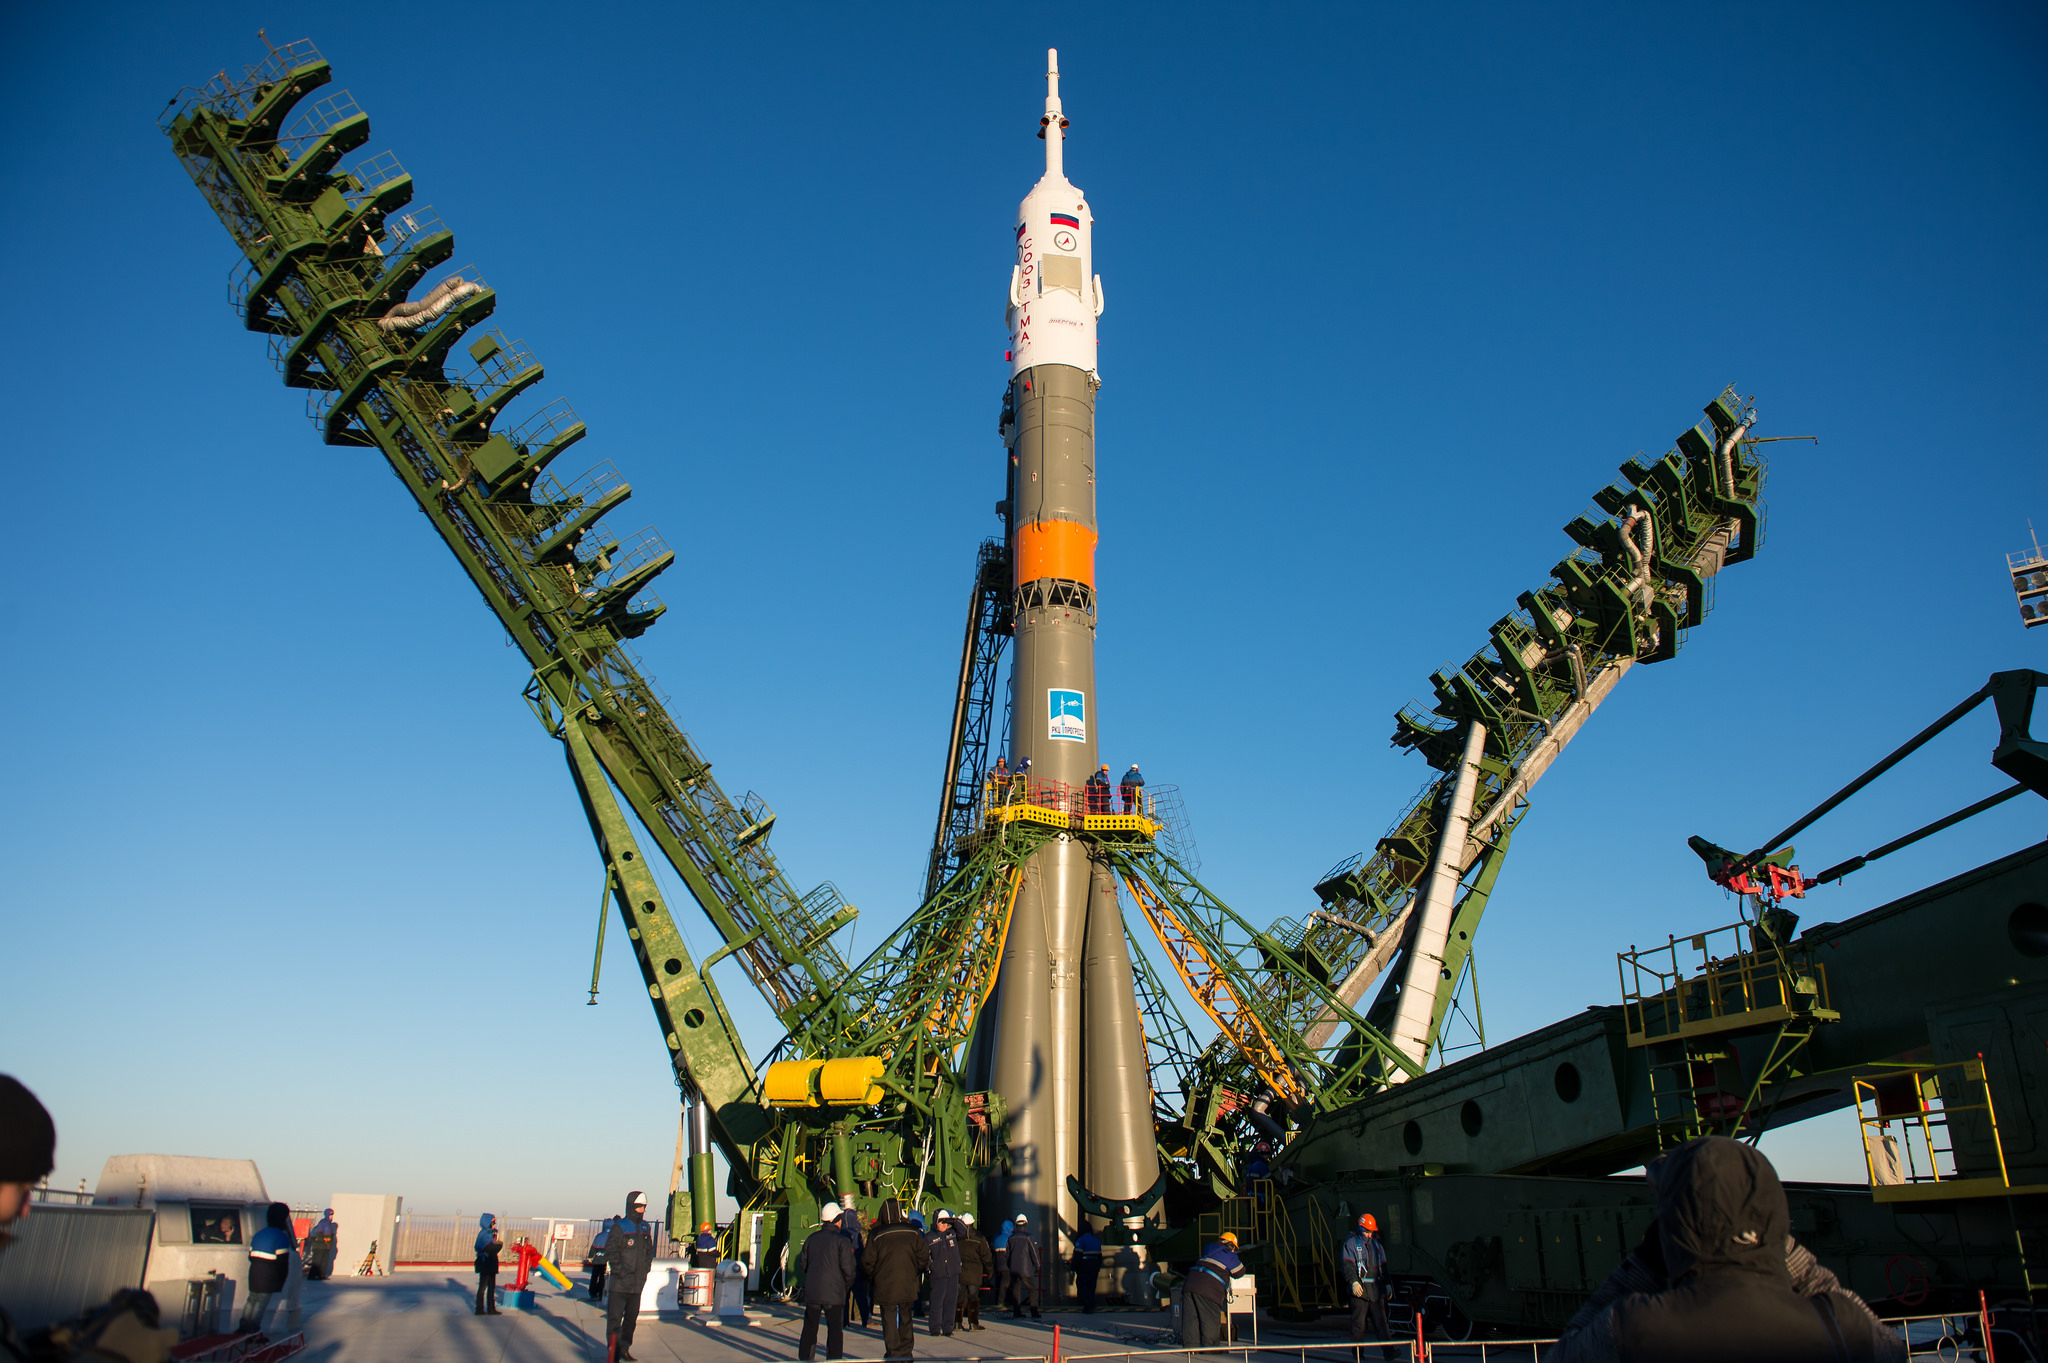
(28, 1138)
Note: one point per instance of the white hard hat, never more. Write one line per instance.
(967, 1218)
(1023, 1220)
(829, 1212)
(942, 1215)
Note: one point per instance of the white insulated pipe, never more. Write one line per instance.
(1425, 963)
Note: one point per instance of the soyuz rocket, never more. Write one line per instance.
(1067, 1049)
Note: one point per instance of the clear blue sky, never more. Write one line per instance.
(287, 869)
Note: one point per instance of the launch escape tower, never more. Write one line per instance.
(911, 1073)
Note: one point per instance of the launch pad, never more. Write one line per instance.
(1009, 1046)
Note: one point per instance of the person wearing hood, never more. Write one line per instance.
(895, 1258)
(825, 1264)
(863, 1299)
(629, 1251)
(1719, 1276)
(595, 1262)
(487, 1246)
(270, 1265)
(320, 1244)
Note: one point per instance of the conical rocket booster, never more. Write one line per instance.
(1069, 1052)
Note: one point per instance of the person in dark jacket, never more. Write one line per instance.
(1087, 1266)
(487, 1246)
(596, 1262)
(826, 1265)
(270, 1265)
(863, 1290)
(320, 1243)
(1099, 799)
(1205, 1298)
(1025, 1263)
(1713, 1278)
(629, 1252)
(1133, 787)
(895, 1259)
(977, 1264)
(943, 1245)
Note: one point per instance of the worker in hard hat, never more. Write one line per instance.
(1362, 1275)
(1133, 790)
(977, 1265)
(825, 1264)
(943, 1273)
(704, 1254)
(1205, 1299)
(1025, 1264)
(1098, 792)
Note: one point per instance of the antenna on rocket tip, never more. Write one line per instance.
(1052, 112)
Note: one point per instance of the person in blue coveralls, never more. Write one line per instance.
(1363, 1273)
(1205, 1299)
(999, 1251)
(487, 1246)
(705, 1253)
(1087, 1265)
(270, 1264)
(596, 1259)
(629, 1251)
(1133, 788)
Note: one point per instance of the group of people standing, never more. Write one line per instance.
(622, 1253)
(1098, 795)
(893, 1264)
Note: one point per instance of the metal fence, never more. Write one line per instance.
(437, 1238)
(1957, 1337)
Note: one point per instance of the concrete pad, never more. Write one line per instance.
(428, 1318)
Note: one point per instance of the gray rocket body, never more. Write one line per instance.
(1069, 1053)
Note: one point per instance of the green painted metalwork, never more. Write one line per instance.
(337, 269)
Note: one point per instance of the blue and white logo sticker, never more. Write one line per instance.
(1066, 714)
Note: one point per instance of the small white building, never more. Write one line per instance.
(207, 1212)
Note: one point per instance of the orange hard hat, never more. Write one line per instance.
(707, 1226)
(1366, 1222)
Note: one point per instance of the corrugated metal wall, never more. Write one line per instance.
(66, 1259)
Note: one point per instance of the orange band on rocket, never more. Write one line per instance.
(1061, 549)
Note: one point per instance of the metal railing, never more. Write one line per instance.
(1740, 984)
(1065, 798)
(430, 1238)
(1909, 1132)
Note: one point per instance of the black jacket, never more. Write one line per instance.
(1024, 1261)
(977, 1263)
(895, 1258)
(629, 1249)
(826, 1264)
(1719, 1241)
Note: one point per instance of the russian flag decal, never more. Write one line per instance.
(1065, 220)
